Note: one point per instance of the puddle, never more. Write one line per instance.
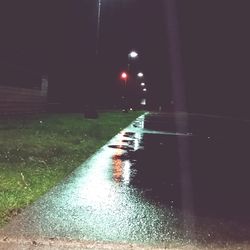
(123, 147)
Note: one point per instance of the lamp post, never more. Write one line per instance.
(124, 77)
(131, 55)
(143, 90)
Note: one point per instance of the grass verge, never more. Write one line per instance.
(37, 152)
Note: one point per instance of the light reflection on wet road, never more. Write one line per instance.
(131, 190)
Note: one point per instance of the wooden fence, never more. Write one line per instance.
(21, 101)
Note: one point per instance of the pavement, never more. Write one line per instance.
(107, 203)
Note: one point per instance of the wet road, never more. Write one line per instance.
(163, 180)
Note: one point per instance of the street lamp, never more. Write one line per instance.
(140, 74)
(143, 84)
(144, 90)
(133, 54)
(124, 76)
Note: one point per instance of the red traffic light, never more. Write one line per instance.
(124, 75)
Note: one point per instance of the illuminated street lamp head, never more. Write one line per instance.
(124, 75)
(144, 89)
(140, 74)
(143, 84)
(133, 54)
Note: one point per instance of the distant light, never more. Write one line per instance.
(131, 109)
(143, 84)
(144, 89)
(140, 74)
(133, 54)
(124, 75)
(143, 101)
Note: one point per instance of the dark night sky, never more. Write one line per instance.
(58, 38)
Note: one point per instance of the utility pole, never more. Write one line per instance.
(91, 108)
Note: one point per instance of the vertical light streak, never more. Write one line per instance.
(181, 122)
(98, 26)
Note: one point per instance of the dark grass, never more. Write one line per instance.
(36, 152)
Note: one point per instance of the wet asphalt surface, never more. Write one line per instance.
(163, 180)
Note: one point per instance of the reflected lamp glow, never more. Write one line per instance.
(126, 172)
(117, 167)
(137, 141)
(121, 169)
